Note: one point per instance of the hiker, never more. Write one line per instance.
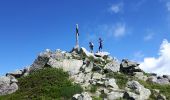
(100, 44)
(91, 47)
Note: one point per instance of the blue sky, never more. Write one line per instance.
(133, 29)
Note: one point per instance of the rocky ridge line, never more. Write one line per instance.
(90, 69)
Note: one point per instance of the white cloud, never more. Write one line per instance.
(119, 30)
(116, 8)
(114, 30)
(138, 56)
(148, 37)
(161, 64)
(168, 6)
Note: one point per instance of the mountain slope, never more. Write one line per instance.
(81, 75)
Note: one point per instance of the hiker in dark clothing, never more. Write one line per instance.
(100, 44)
(91, 46)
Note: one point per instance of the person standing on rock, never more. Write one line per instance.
(100, 44)
(91, 47)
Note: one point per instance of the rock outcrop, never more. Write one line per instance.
(129, 67)
(8, 85)
(139, 92)
(91, 70)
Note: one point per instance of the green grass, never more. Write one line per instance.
(45, 84)
(121, 79)
(97, 98)
(164, 89)
(93, 88)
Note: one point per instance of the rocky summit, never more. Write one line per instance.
(91, 76)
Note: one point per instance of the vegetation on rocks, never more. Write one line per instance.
(45, 84)
(164, 89)
(121, 79)
(93, 88)
(97, 98)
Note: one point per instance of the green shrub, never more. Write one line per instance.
(45, 84)
(93, 88)
(103, 95)
(91, 58)
(97, 98)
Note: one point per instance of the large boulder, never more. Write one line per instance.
(140, 92)
(129, 67)
(111, 83)
(41, 60)
(19, 73)
(112, 66)
(72, 66)
(102, 54)
(7, 86)
(152, 79)
(16, 74)
(140, 76)
(158, 80)
(167, 76)
(162, 81)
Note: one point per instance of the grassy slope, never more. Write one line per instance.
(45, 84)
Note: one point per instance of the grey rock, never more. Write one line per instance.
(152, 74)
(100, 83)
(58, 55)
(159, 80)
(41, 61)
(77, 97)
(167, 76)
(162, 81)
(97, 76)
(102, 54)
(114, 95)
(129, 67)
(16, 74)
(89, 67)
(112, 66)
(111, 83)
(6, 87)
(86, 53)
(12, 79)
(82, 96)
(97, 68)
(141, 92)
(72, 66)
(19, 73)
(131, 96)
(79, 78)
(140, 76)
(160, 77)
(152, 79)
(161, 97)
